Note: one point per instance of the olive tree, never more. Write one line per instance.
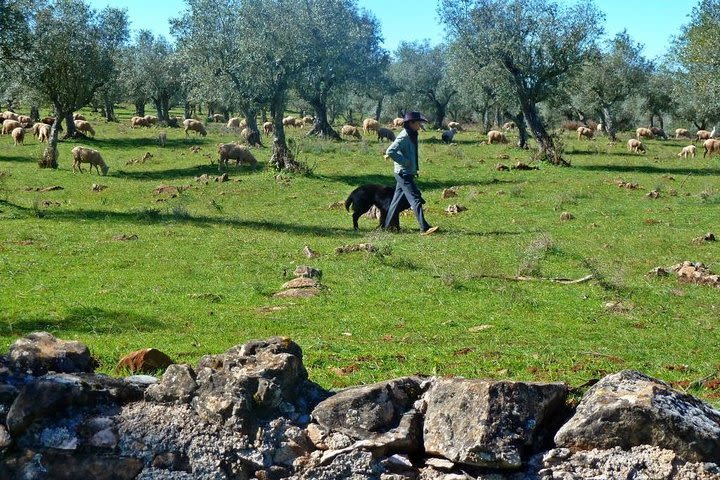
(536, 43)
(15, 19)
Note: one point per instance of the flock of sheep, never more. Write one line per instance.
(16, 125)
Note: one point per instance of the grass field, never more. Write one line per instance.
(201, 275)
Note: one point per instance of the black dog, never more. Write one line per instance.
(365, 196)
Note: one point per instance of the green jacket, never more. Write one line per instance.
(404, 154)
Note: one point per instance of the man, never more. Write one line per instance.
(404, 152)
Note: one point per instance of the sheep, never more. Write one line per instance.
(711, 146)
(24, 120)
(8, 115)
(84, 127)
(308, 120)
(644, 133)
(635, 146)
(195, 126)
(289, 121)
(599, 127)
(218, 118)
(9, 125)
(233, 123)
(509, 126)
(370, 124)
(496, 137)
(682, 133)
(151, 119)
(351, 131)
(702, 135)
(48, 120)
(43, 133)
(398, 122)
(689, 150)
(268, 128)
(88, 155)
(18, 135)
(584, 132)
(36, 128)
(454, 126)
(383, 133)
(139, 122)
(447, 135)
(659, 132)
(78, 116)
(233, 151)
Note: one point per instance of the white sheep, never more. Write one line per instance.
(635, 146)
(711, 146)
(88, 155)
(268, 128)
(18, 135)
(689, 150)
(84, 127)
(139, 122)
(9, 125)
(234, 122)
(308, 120)
(398, 122)
(454, 126)
(24, 119)
(509, 126)
(289, 121)
(495, 136)
(370, 124)
(43, 133)
(584, 132)
(8, 115)
(350, 131)
(151, 119)
(194, 126)
(643, 132)
(682, 133)
(233, 151)
(702, 135)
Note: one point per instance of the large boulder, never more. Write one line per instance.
(489, 423)
(40, 352)
(177, 385)
(628, 409)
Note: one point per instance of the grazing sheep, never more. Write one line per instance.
(151, 119)
(659, 132)
(689, 150)
(682, 133)
(496, 137)
(8, 115)
(84, 127)
(233, 151)
(398, 122)
(644, 133)
(383, 133)
(139, 122)
(448, 135)
(18, 135)
(36, 128)
(88, 155)
(48, 120)
(711, 146)
(195, 126)
(78, 116)
(454, 126)
(308, 120)
(43, 133)
(702, 135)
(233, 123)
(162, 138)
(9, 125)
(268, 128)
(584, 132)
(509, 126)
(218, 118)
(289, 121)
(635, 146)
(24, 120)
(370, 124)
(350, 131)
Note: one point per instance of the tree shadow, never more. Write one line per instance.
(357, 180)
(188, 172)
(82, 320)
(17, 158)
(649, 169)
(145, 142)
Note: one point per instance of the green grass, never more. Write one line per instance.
(201, 274)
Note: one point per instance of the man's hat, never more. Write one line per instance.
(417, 116)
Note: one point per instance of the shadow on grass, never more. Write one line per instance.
(356, 180)
(186, 173)
(17, 158)
(150, 141)
(88, 320)
(649, 169)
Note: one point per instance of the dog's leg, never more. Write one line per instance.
(356, 215)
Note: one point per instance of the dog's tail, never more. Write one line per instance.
(348, 202)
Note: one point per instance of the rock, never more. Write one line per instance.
(147, 360)
(176, 386)
(301, 282)
(653, 194)
(455, 209)
(309, 252)
(124, 238)
(63, 465)
(362, 412)
(306, 271)
(448, 193)
(360, 247)
(40, 352)
(490, 423)
(5, 439)
(638, 462)
(708, 237)
(353, 465)
(298, 293)
(565, 216)
(439, 463)
(628, 409)
(98, 188)
(524, 166)
(500, 167)
(222, 178)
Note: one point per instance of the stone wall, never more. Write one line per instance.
(251, 412)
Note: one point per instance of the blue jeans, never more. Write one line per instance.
(406, 186)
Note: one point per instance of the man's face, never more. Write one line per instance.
(415, 125)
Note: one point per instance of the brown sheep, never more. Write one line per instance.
(233, 151)
(194, 126)
(635, 146)
(711, 146)
(151, 119)
(84, 127)
(289, 121)
(370, 124)
(78, 116)
(218, 118)
(454, 126)
(385, 133)
(308, 120)
(88, 155)
(398, 122)
(702, 135)
(509, 126)
(139, 122)
(689, 150)
(268, 128)
(9, 125)
(659, 132)
(48, 120)
(496, 137)
(18, 135)
(682, 133)
(25, 120)
(350, 131)
(584, 132)
(644, 133)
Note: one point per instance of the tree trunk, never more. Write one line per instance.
(440, 109)
(519, 120)
(71, 130)
(140, 108)
(322, 127)
(252, 126)
(109, 110)
(34, 113)
(662, 122)
(608, 121)
(50, 155)
(652, 120)
(188, 110)
(544, 141)
(263, 115)
(282, 158)
(378, 108)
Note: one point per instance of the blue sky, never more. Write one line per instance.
(651, 23)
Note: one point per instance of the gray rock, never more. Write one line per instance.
(489, 423)
(354, 465)
(628, 409)
(176, 386)
(5, 439)
(52, 464)
(40, 352)
(362, 412)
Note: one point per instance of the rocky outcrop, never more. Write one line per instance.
(251, 412)
(41, 352)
